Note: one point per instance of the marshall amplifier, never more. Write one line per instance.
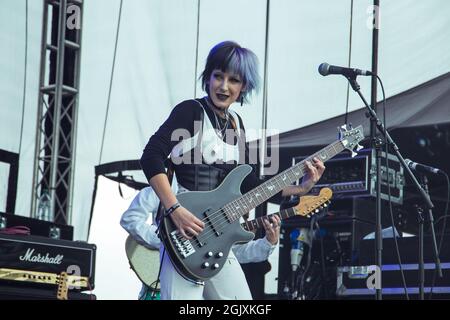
(354, 177)
(42, 261)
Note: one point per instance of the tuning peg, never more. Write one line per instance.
(342, 129)
(359, 147)
(325, 205)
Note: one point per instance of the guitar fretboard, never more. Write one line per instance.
(242, 205)
(252, 225)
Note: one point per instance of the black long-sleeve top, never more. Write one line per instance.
(183, 116)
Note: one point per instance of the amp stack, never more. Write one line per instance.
(350, 217)
(45, 264)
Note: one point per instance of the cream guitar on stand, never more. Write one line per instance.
(145, 261)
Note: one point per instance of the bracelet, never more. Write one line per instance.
(172, 209)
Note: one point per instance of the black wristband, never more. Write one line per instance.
(171, 209)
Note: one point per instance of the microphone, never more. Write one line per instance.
(421, 167)
(299, 237)
(326, 69)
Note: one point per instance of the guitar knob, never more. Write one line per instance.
(205, 265)
(219, 255)
(209, 254)
(215, 266)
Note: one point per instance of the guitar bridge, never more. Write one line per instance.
(183, 245)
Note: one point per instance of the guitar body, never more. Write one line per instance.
(143, 260)
(204, 256)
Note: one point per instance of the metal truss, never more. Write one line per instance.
(57, 111)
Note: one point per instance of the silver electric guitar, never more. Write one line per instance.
(145, 261)
(203, 256)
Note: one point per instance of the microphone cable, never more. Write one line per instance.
(386, 149)
(322, 258)
(308, 263)
(441, 240)
(386, 146)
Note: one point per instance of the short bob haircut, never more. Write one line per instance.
(228, 56)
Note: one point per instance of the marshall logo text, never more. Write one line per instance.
(28, 256)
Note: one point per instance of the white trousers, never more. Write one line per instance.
(228, 284)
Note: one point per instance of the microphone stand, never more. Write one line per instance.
(421, 221)
(371, 114)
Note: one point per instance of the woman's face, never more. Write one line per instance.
(224, 88)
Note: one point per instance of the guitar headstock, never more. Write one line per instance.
(350, 138)
(62, 286)
(310, 205)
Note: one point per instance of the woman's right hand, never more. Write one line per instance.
(187, 224)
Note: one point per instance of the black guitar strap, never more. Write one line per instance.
(159, 216)
(160, 212)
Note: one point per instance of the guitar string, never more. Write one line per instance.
(300, 166)
(252, 226)
(210, 232)
(219, 213)
(223, 221)
(220, 219)
(284, 214)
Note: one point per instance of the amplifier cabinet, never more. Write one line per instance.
(37, 227)
(40, 261)
(352, 279)
(355, 177)
(358, 282)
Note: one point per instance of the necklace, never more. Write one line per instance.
(220, 130)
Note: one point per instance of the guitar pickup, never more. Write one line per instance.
(215, 219)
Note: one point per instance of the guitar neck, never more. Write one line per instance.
(252, 225)
(242, 205)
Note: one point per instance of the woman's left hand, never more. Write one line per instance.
(314, 171)
(272, 229)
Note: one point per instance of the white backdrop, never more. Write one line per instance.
(155, 69)
(12, 67)
(114, 280)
